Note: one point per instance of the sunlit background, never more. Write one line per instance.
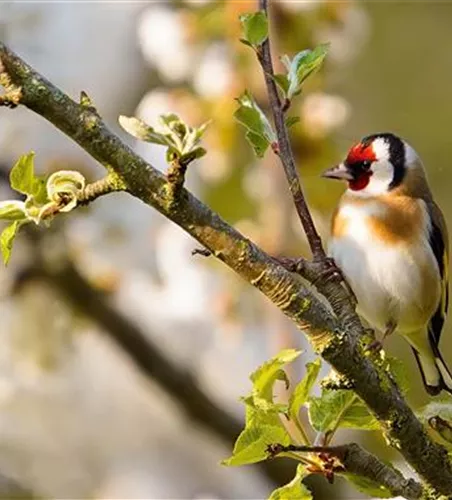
(84, 413)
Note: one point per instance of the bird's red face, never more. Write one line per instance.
(373, 166)
(358, 161)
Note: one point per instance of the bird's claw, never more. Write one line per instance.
(330, 271)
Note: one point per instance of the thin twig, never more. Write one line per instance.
(327, 269)
(285, 151)
(101, 187)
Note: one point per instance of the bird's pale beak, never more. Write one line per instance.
(340, 172)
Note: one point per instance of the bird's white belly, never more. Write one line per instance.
(388, 280)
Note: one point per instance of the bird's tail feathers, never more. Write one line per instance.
(435, 373)
(431, 376)
(446, 375)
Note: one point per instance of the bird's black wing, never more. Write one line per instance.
(438, 239)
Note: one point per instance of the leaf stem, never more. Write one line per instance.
(330, 434)
(302, 431)
(300, 458)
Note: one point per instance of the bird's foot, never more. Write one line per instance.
(377, 345)
(330, 271)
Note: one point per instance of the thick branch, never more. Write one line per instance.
(356, 460)
(336, 341)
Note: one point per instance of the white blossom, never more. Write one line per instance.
(215, 74)
(321, 113)
(161, 34)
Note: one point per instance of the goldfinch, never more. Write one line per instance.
(389, 238)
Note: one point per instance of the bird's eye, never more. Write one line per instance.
(366, 164)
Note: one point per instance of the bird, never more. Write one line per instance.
(389, 239)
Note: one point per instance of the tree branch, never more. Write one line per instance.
(285, 151)
(101, 187)
(356, 460)
(341, 299)
(336, 340)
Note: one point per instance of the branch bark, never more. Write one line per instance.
(334, 338)
(356, 460)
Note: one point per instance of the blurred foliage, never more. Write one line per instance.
(230, 163)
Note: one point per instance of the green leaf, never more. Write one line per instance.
(141, 130)
(398, 370)
(263, 424)
(283, 83)
(22, 176)
(258, 143)
(65, 185)
(250, 115)
(302, 391)
(264, 406)
(171, 121)
(265, 376)
(251, 446)
(7, 240)
(340, 408)
(181, 139)
(285, 59)
(193, 155)
(199, 131)
(260, 133)
(295, 490)
(40, 190)
(254, 28)
(369, 487)
(245, 42)
(260, 406)
(303, 65)
(191, 139)
(292, 120)
(12, 210)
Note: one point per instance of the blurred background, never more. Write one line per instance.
(123, 357)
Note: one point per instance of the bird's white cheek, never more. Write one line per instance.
(379, 181)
